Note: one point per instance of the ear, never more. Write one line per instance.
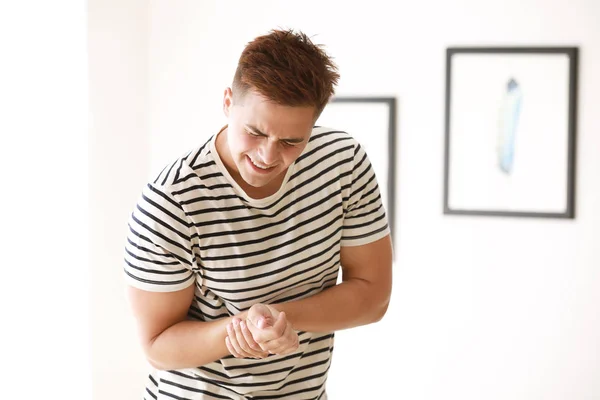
(227, 101)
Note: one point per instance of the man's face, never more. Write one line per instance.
(264, 138)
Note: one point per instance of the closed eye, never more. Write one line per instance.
(286, 143)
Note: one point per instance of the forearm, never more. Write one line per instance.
(189, 344)
(352, 303)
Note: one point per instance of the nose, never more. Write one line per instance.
(268, 151)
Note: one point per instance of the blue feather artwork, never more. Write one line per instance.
(510, 112)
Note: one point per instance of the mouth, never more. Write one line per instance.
(261, 169)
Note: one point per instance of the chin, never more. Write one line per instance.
(254, 181)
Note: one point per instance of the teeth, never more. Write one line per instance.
(258, 166)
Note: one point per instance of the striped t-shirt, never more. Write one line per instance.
(194, 225)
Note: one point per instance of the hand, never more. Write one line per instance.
(271, 330)
(239, 341)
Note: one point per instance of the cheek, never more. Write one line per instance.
(241, 145)
(290, 156)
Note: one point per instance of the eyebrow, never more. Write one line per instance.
(258, 132)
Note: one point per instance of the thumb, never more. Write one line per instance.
(264, 322)
(261, 316)
(281, 323)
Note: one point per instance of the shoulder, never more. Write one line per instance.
(191, 165)
(324, 134)
(326, 141)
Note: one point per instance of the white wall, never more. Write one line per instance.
(482, 307)
(118, 154)
(44, 335)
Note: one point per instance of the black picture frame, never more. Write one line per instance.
(386, 135)
(527, 61)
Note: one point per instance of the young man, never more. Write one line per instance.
(233, 252)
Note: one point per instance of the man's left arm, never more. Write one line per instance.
(360, 299)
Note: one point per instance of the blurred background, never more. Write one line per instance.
(482, 307)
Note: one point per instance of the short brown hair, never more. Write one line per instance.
(288, 69)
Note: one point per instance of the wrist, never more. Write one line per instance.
(283, 308)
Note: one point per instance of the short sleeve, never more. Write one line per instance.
(158, 248)
(365, 219)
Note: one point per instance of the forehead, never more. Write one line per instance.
(276, 119)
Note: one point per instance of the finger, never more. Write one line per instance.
(239, 337)
(234, 343)
(242, 342)
(260, 335)
(281, 324)
(289, 338)
(278, 346)
(254, 330)
(246, 342)
(265, 322)
(231, 348)
(249, 339)
(261, 315)
(283, 346)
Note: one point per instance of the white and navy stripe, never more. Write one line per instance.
(194, 225)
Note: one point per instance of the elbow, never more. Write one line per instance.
(154, 363)
(152, 358)
(380, 306)
(380, 311)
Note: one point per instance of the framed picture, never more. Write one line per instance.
(510, 131)
(371, 121)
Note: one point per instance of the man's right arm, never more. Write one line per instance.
(158, 268)
(168, 339)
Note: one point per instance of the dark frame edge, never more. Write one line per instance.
(392, 121)
(573, 53)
